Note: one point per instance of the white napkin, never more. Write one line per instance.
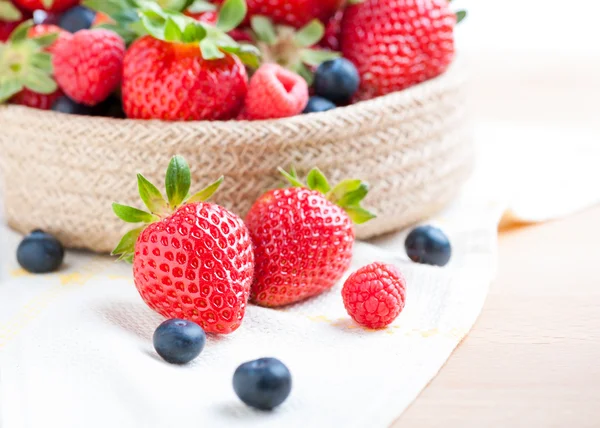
(76, 349)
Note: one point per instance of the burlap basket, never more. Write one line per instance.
(62, 172)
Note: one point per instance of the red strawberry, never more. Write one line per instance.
(28, 97)
(195, 263)
(32, 99)
(275, 92)
(6, 28)
(303, 238)
(194, 74)
(333, 31)
(25, 65)
(397, 44)
(88, 67)
(49, 5)
(171, 81)
(375, 295)
(294, 12)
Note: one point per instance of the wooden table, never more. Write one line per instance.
(533, 357)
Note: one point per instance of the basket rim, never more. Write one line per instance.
(451, 77)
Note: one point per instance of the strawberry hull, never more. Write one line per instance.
(62, 172)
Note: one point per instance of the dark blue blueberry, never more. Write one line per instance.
(111, 107)
(40, 252)
(179, 341)
(66, 105)
(263, 384)
(428, 245)
(337, 80)
(77, 18)
(318, 104)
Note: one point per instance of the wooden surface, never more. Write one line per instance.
(533, 357)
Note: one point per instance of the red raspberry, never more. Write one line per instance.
(88, 68)
(374, 295)
(275, 92)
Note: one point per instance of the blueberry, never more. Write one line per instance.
(77, 18)
(179, 341)
(428, 245)
(40, 252)
(318, 104)
(337, 80)
(111, 107)
(66, 105)
(263, 384)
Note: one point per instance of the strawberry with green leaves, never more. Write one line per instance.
(303, 237)
(192, 259)
(26, 65)
(186, 69)
(293, 49)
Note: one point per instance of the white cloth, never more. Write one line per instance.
(76, 349)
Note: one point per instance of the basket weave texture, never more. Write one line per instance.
(62, 172)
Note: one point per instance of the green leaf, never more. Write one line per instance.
(42, 61)
(354, 197)
(210, 50)
(359, 215)
(47, 4)
(264, 29)
(205, 194)
(9, 88)
(8, 12)
(132, 215)
(291, 178)
(305, 73)
(460, 15)
(310, 34)
(108, 7)
(343, 188)
(355, 1)
(151, 196)
(201, 6)
(39, 81)
(178, 180)
(193, 32)
(175, 5)
(127, 258)
(317, 181)
(153, 23)
(172, 31)
(231, 14)
(45, 40)
(127, 244)
(315, 57)
(20, 33)
(247, 53)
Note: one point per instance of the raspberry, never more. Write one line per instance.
(88, 68)
(275, 92)
(374, 295)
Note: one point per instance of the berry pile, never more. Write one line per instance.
(178, 60)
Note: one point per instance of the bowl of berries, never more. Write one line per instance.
(94, 93)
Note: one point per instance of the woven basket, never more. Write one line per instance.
(62, 172)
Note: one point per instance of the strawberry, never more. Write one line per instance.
(28, 97)
(88, 67)
(397, 44)
(48, 5)
(294, 50)
(333, 30)
(32, 99)
(192, 260)
(296, 13)
(303, 237)
(186, 69)
(26, 65)
(275, 92)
